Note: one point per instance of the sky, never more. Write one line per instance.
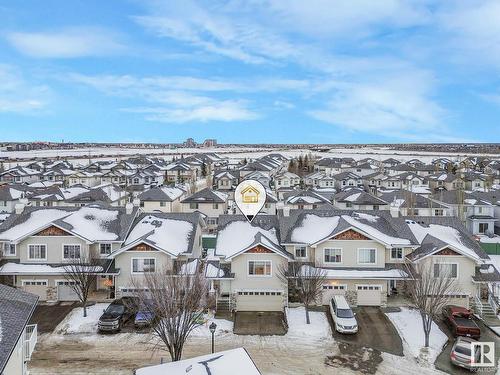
(255, 71)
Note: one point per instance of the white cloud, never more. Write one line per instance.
(66, 43)
(210, 111)
(397, 107)
(19, 96)
(174, 99)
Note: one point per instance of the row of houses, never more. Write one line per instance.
(362, 252)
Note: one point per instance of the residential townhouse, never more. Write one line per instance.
(38, 244)
(210, 203)
(247, 264)
(347, 179)
(162, 199)
(20, 175)
(408, 203)
(304, 199)
(156, 242)
(358, 199)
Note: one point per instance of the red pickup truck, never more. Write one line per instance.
(460, 321)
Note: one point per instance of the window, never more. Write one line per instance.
(193, 206)
(135, 181)
(375, 207)
(37, 252)
(348, 204)
(332, 255)
(215, 206)
(163, 204)
(71, 251)
(259, 268)
(300, 252)
(9, 249)
(367, 256)
(105, 248)
(449, 270)
(483, 227)
(141, 265)
(396, 253)
(438, 212)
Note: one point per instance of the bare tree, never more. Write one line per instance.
(306, 280)
(81, 275)
(177, 302)
(430, 287)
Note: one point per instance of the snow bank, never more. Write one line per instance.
(409, 326)
(224, 327)
(319, 328)
(76, 323)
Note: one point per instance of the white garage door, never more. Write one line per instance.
(65, 292)
(331, 290)
(37, 287)
(369, 295)
(259, 301)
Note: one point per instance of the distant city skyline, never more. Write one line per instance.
(250, 72)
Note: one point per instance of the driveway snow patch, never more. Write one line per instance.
(409, 326)
(76, 323)
(297, 326)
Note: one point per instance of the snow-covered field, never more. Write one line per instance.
(409, 326)
(76, 323)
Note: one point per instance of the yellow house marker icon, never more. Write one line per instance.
(250, 195)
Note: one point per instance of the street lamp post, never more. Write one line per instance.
(212, 328)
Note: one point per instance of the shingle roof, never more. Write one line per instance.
(16, 308)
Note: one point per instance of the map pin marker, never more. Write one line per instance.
(250, 197)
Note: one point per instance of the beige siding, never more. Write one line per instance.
(206, 208)
(123, 261)
(239, 266)
(350, 253)
(54, 247)
(15, 364)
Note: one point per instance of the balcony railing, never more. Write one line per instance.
(30, 340)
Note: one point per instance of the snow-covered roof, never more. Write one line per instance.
(313, 226)
(11, 268)
(236, 234)
(227, 362)
(347, 274)
(169, 232)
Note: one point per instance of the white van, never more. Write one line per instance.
(342, 315)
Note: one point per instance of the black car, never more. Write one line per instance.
(116, 314)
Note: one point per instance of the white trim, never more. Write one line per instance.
(140, 272)
(9, 255)
(37, 259)
(369, 285)
(259, 260)
(46, 281)
(447, 263)
(334, 248)
(295, 251)
(339, 287)
(70, 244)
(402, 253)
(367, 248)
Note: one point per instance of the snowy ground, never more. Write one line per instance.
(76, 348)
(76, 323)
(409, 326)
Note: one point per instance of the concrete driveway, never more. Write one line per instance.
(443, 360)
(49, 315)
(375, 331)
(259, 323)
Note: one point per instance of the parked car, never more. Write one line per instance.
(342, 315)
(144, 316)
(116, 314)
(460, 321)
(461, 353)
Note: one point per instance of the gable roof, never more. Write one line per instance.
(206, 195)
(236, 235)
(172, 233)
(314, 226)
